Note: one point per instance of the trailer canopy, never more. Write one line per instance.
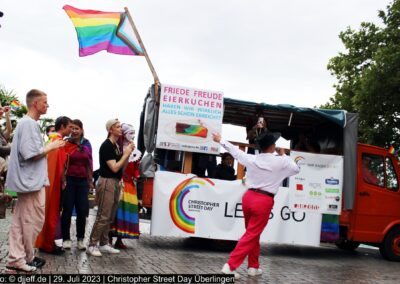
(236, 112)
(335, 130)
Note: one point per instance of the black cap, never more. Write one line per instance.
(266, 139)
(1, 14)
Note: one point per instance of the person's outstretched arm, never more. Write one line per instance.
(236, 153)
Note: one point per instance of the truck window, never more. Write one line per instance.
(391, 176)
(373, 169)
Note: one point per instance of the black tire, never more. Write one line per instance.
(390, 247)
(347, 245)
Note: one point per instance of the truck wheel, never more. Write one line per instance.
(347, 245)
(390, 247)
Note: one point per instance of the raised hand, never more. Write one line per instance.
(216, 137)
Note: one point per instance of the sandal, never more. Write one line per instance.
(23, 268)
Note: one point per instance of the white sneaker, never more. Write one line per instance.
(227, 270)
(58, 242)
(24, 268)
(67, 244)
(108, 249)
(93, 250)
(81, 245)
(254, 271)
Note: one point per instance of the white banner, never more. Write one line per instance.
(188, 206)
(318, 186)
(187, 119)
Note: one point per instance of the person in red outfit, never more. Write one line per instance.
(51, 230)
(265, 173)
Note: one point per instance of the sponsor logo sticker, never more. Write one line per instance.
(336, 198)
(314, 193)
(299, 186)
(332, 181)
(306, 206)
(315, 185)
(332, 190)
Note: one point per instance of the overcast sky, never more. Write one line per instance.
(272, 51)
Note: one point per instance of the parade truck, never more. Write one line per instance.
(366, 191)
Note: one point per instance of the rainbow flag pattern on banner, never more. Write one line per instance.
(329, 228)
(97, 31)
(191, 130)
(179, 216)
(392, 150)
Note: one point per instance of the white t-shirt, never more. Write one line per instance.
(24, 174)
(265, 171)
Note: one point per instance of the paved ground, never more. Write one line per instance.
(167, 255)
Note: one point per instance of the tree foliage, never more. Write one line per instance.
(368, 75)
(7, 96)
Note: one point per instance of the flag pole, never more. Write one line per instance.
(153, 71)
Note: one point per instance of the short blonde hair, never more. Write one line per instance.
(32, 95)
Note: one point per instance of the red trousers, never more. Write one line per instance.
(256, 209)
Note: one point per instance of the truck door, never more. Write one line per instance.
(377, 198)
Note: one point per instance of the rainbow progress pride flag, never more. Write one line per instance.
(15, 105)
(97, 31)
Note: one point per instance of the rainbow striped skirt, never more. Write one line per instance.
(126, 223)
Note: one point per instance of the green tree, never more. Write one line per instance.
(7, 96)
(44, 122)
(368, 75)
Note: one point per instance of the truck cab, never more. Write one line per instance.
(375, 218)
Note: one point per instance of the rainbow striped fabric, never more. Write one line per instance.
(97, 31)
(15, 105)
(191, 130)
(126, 223)
(392, 150)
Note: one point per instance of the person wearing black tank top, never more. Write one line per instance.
(112, 162)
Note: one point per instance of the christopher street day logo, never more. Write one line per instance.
(179, 215)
